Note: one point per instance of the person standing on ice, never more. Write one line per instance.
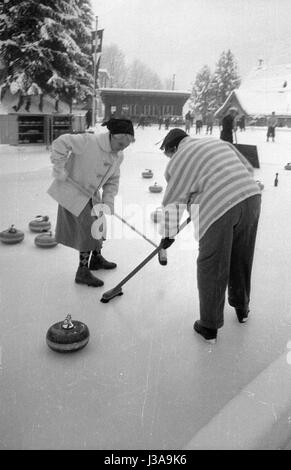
(188, 122)
(228, 123)
(213, 176)
(83, 165)
(88, 117)
(199, 122)
(209, 122)
(272, 122)
(160, 121)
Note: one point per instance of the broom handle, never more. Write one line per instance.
(148, 258)
(138, 268)
(235, 138)
(135, 230)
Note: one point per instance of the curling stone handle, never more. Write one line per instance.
(68, 323)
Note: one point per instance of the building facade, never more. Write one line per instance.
(151, 104)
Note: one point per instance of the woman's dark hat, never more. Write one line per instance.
(119, 126)
(173, 138)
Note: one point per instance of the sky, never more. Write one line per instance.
(179, 37)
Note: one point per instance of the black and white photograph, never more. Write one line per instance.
(145, 228)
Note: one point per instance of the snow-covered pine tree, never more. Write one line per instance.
(202, 96)
(45, 47)
(81, 33)
(225, 77)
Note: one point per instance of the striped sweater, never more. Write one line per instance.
(209, 175)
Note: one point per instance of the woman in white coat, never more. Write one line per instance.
(83, 165)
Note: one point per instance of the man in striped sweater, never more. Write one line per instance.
(212, 175)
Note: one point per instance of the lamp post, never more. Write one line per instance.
(173, 82)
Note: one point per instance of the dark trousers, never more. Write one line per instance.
(225, 260)
(271, 132)
(226, 136)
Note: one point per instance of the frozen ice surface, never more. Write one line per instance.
(145, 380)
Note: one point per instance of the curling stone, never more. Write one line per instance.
(261, 186)
(288, 166)
(45, 240)
(67, 335)
(40, 224)
(147, 174)
(11, 236)
(155, 188)
(156, 216)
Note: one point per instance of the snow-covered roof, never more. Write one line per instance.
(145, 91)
(264, 90)
(264, 102)
(271, 78)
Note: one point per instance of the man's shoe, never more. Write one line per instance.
(83, 276)
(98, 262)
(242, 314)
(208, 334)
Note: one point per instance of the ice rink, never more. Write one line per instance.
(145, 380)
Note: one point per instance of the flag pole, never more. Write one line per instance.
(95, 73)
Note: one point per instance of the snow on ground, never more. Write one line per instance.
(145, 380)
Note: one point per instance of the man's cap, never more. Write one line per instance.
(173, 138)
(119, 126)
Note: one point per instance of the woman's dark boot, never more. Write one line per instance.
(98, 262)
(84, 276)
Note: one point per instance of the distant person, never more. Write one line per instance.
(57, 102)
(272, 122)
(167, 122)
(228, 125)
(160, 121)
(242, 123)
(199, 123)
(192, 119)
(86, 171)
(88, 117)
(148, 121)
(209, 122)
(175, 120)
(187, 122)
(141, 121)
